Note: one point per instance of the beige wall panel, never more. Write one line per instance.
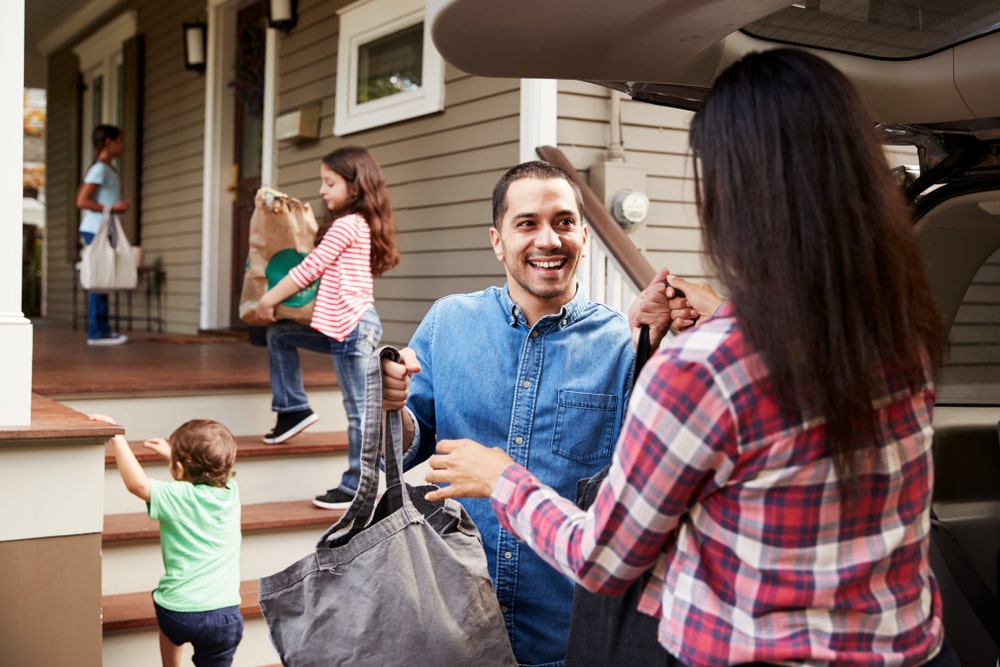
(444, 190)
(456, 263)
(671, 165)
(582, 133)
(670, 189)
(660, 239)
(690, 265)
(585, 107)
(488, 158)
(428, 289)
(662, 140)
(446, 217)
(472, 239)
(639, 113)
(461, 139)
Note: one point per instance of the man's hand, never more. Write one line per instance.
(468, 468)
(396, 379)
(659, 307)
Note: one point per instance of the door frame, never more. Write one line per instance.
(217, 210)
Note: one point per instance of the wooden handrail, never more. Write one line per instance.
(633, 263)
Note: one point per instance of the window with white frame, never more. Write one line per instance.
(387, 67)
(101, 66)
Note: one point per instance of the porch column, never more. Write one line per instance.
(15, 330)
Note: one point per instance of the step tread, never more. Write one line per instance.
(125, 611)
(309, 442)
(135, 527)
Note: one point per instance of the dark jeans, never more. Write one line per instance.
(97, 307)
(213, 634)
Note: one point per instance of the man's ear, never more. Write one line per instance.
(586, 241)
(497, 245)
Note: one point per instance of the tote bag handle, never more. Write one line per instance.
(358, 515)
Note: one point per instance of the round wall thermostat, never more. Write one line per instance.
(630, 208)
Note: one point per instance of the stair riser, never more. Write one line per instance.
(141, 647)
(127, 567)
(245, 413)
(261, 479)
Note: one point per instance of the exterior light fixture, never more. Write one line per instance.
(282, 14)
(195, 46)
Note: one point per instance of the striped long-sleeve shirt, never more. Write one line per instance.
(342, 262)
(733, 504)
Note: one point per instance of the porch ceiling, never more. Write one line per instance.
(43, 18)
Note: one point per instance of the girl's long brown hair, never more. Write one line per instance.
(815, 243)
(358, 167)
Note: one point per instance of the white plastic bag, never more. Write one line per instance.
(108, 263)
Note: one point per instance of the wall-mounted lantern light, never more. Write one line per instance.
(195, 46)
(282, 14)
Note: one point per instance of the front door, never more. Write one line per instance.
(248, 88)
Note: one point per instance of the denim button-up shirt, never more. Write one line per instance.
(552, 396)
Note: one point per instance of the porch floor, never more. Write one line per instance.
(64, 366)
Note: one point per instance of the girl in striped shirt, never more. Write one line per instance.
(355, 243)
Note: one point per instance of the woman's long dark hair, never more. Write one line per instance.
(815, 243)
(358, 167)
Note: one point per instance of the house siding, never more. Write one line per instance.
(440, 169)
(172, 151)
(655, 139)
(62, 179)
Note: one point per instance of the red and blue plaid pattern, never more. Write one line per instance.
(734, 505)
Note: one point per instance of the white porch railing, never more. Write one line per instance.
(602, 278)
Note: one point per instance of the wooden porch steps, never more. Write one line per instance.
(251, 446)
(128, 611)
(262, 516)
(135, 610)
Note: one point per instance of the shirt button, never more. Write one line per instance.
(507, 554)
(534, 334)
(503, 609)
(525, 384)
(519, 440)
(563, 323)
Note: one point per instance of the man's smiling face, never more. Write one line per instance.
(540, 242)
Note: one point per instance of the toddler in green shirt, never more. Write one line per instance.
(198, 596)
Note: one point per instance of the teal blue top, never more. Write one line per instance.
(109, 193)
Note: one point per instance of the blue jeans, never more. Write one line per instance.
(97, 307)
(213, 634)
(350, 363)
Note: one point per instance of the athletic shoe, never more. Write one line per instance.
(113, 339)
(289, 424)
(334, 499)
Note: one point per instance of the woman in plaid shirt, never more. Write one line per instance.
(773, 478)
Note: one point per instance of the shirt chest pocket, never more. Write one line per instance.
(585, 426)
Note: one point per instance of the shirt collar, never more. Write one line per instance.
(569, 313)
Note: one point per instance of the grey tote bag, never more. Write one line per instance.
(400, 582)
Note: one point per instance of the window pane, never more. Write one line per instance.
(893, 29)
(392, 64)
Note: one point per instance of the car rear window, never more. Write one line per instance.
(880, 28)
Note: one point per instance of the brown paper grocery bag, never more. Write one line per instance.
(282, 233)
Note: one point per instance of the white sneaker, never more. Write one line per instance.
(113, 339)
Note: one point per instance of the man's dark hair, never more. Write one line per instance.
(534, 169)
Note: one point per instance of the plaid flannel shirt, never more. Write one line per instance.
(733, 505)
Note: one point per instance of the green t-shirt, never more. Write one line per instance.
(200, 544)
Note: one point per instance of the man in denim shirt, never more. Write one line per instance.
(532, 367)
